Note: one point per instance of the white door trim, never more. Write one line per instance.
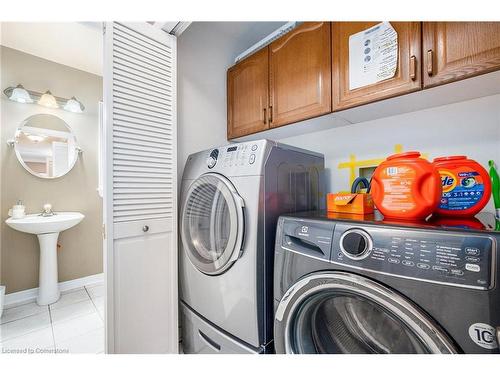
(108, 190)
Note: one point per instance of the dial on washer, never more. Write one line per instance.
(355, 244)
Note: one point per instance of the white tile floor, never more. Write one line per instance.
(74, 324)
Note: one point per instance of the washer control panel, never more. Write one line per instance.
(425, 255)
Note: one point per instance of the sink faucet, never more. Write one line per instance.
(47, 210)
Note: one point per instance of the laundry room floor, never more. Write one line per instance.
(74, 324)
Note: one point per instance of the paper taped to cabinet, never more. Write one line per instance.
(373, 55)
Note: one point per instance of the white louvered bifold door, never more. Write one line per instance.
(140, 191)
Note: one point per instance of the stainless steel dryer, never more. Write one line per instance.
(231, 199)
(345, 285)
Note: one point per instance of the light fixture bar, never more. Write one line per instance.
(35, 95)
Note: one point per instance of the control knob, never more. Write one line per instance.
(212, 158)
(356, 244)
(211, 161)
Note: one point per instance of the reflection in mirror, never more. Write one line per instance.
(45, 146)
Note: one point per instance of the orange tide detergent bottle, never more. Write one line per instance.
(466, 186)
(406, 187)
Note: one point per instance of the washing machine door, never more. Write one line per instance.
(338, 312)
(212, 224)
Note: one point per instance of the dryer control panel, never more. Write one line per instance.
(441, 257)
(239, 157)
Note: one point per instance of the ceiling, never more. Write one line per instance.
(228, 36)
(75, 44)
(80, 44)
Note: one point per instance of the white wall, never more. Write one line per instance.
(205, 51)
(469, 128)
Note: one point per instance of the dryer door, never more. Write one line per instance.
(212, 224)
(339, 312)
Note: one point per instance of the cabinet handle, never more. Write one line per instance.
(265, 115)
(270, 113)
(413, 68)
(145, 228)
(430, 61)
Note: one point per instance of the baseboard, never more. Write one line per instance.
(29, 295)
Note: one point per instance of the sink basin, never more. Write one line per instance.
(47, 229)
(36, 224)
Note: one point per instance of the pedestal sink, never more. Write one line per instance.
(47, 229)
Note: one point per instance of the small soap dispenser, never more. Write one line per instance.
(18, 211)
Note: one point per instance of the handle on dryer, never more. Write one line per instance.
(240, 203)
(497, 331)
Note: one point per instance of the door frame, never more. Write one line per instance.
(107, 188)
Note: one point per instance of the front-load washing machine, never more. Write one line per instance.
(231, 199)
(346, 285)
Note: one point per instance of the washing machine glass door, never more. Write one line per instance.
(212, 224)
(339, 312)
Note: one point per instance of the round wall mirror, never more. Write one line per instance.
(45, 146)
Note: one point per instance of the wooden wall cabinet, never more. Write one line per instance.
(408, 73)
(457, 50)
(300, 74)
(305, 73)
(248, 95)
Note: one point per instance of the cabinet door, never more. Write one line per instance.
(248, 95)
(406, 79)
(457, 50)
(300, 74)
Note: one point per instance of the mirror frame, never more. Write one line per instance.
(20, 159)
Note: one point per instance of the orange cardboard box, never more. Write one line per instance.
(357, 203)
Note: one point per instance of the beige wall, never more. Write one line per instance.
(81, 247)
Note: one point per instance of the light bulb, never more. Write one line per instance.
(48, 100)
(20, 95)
(73, 105)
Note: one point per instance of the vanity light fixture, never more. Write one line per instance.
(48, 100)
(21, 95)
(18, 94)
(74, 105)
